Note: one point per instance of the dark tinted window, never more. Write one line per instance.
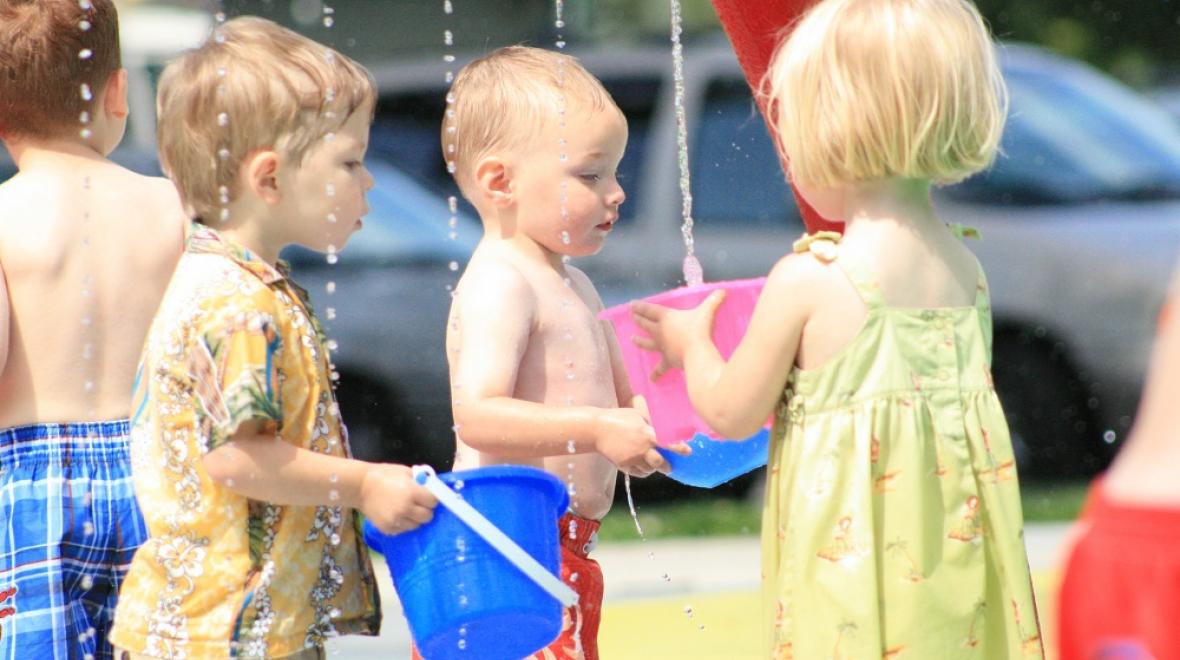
(736, 177)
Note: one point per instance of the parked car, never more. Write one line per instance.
(1080, 222)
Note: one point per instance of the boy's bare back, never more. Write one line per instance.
(86, 250)
(542, 342)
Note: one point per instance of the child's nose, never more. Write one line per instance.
(616, 196)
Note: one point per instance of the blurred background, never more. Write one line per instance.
(1080, 217)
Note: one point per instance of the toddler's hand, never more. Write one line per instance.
(672, 330)
(626, 439)
(393, 501)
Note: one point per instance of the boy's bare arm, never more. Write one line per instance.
(5, 320)
(496, 313)
(262, 467)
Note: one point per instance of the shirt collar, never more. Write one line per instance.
(203, 239)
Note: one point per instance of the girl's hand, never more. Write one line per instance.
(672, 331)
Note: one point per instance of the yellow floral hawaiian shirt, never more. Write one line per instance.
(235, 340)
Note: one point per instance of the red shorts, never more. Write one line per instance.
(1121, 591)
(579, 623)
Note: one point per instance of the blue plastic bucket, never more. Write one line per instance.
(714, 462)
(462, 598)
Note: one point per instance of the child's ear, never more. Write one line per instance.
(261, 175)
(493, 180)
(114, 98)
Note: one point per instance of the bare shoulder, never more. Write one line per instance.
(17, 197)
(493, 281)
(801, 272)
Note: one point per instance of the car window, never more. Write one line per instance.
(1080, 137)
(736, 176)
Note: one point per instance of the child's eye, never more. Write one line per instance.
(353, 164)
(590, 176)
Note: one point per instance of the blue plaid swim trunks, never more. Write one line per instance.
(70, 528)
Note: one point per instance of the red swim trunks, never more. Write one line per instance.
(1121, 589)
(579, 624)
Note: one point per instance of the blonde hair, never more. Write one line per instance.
(502, 100)
(873, 89)
(253, 85)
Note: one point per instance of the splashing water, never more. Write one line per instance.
(693, 275)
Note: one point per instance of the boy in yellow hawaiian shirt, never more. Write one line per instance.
(240, 460)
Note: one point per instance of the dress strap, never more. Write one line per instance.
(824, 245)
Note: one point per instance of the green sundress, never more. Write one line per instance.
(892, 526)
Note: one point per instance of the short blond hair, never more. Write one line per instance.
(502, 100)
(871, 89)
(253, 85)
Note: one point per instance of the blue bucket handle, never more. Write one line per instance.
(425, 476)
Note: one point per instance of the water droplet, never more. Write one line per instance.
(84, 26)
(86, 5)
(448, 38)
(450, 77)
(447, 7)
(222, 119)
(229, 482)
(87, 582)
(462, 644)
(565, 237)
(221, 71)
(333, 495)
(571, 447)
(219, 37)
(219, 17)
(454, 266)
(85, 90)
(330, 190)
(223, 215)
(223, 194)
(328, 22)
(88, 386)
(453, 235)
(223, 153)
(332, 345)
(330, 287)
(459, 486)
(85, 133)
(88, 528)
(667, 578)
(560, 44)
(334, 376)
(462, 600)
(84, 117)
(1109, 437)
(688, 610)
(448, 58)
(328, 137)
(330, 313)
(451, 166)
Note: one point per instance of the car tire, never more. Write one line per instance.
(1053, 428)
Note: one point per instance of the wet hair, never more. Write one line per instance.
(503, 100)
(253, 85)
(871, 89)
(54, 54)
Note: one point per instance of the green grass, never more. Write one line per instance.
(1043, 501)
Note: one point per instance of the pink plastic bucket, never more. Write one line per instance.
(672, 414)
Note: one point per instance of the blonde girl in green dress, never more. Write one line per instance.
(892, 526)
